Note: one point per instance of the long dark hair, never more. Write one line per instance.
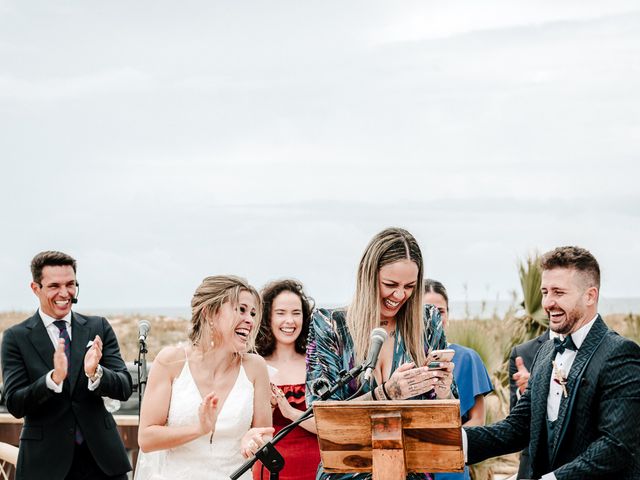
(265, 341)
(434, 286)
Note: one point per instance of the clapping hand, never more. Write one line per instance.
(93, 356)
(288, 411)
(208, 413)
(60, 363)
(274, 396)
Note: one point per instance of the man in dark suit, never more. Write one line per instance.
(57, 366)
(579, 411)
(520, 364)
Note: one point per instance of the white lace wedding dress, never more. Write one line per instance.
(199, 459)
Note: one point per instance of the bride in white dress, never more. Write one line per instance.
(206, 407)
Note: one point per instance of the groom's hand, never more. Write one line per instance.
(60, 363)
(521, 377)
(92, 357)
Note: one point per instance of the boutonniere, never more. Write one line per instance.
(560, 378)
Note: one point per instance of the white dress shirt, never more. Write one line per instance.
(54, 335)
(563, 362)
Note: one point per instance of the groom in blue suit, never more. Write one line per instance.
(579, 413)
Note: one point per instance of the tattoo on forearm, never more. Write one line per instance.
(394, 390)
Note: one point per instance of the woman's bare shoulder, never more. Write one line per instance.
(254, 364)
(254, 360)
(171, 358)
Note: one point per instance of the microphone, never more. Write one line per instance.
(378, 337)
(319, 386)
(143, 330)
(74, 299)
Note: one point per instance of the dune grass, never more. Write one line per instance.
(491, 338)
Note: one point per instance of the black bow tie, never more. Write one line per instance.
(562, 345)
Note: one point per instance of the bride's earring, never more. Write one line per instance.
(211, 333)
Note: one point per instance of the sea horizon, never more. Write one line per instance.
(459, 309)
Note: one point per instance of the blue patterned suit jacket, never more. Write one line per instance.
(596, 434)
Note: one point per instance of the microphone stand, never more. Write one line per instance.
(141, 362)
(268, 455)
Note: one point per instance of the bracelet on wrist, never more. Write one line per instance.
(384, 390)
(373, 394)
(380, 394)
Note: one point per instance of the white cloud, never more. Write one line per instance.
(428, 20)
(125, 80)
(172, 142)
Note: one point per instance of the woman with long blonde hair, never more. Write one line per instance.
(206, 406)
(388, 295)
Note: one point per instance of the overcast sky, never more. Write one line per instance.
(159, 142)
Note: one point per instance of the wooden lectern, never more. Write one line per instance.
(390, 438)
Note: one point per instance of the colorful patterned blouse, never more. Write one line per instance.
(330, 350)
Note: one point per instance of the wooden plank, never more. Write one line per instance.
(7, 418)
(431, 435)
(387, 446)
(389, 464)
(439, 461)
(386, 431)
(346, 461)
(424, 439)
(358, 461)
(122, 420)
(441, 415)
(429, 413)
(126, 420)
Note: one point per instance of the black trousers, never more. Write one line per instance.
(84, 467)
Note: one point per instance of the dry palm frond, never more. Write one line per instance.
(532, 322)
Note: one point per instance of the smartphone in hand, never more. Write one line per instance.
(435, 366)
(435, 358)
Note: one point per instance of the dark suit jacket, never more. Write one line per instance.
(596, 434)
(527, 351)
(47, 439)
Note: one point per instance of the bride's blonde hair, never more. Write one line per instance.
(211, 294)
